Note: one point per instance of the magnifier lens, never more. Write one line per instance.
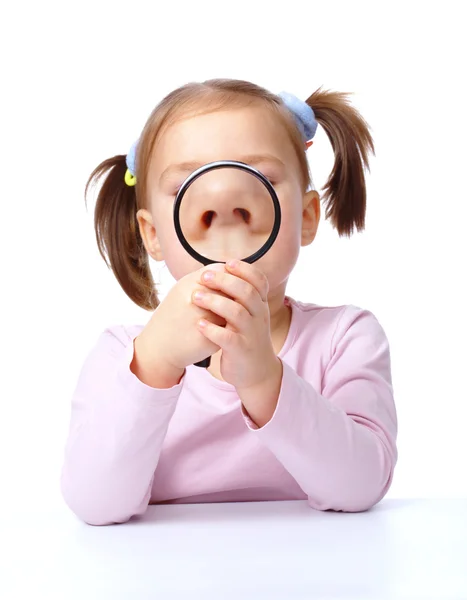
(227, 213)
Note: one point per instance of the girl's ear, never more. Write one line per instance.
(310, 217)
(148, 234)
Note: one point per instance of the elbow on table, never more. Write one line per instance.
(98, 511)
(369, 483)
(96, 518)
(349, 500)
(365, 501)
(355, 494)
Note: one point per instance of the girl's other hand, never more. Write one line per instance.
(172, 339)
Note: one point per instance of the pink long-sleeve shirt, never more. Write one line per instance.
(331, 439)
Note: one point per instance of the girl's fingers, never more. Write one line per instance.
(249, 286)
(252, 275)
(234, 313)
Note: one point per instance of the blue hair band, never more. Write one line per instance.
(131, 158)
(303, 113)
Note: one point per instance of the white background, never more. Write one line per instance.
(78, 82)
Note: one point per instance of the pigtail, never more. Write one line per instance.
(117, 232)
(345, 191)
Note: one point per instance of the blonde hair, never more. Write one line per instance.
(116, 227)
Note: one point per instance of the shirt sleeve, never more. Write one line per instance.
(340, 445)
(117, 428)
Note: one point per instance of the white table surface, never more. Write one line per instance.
(271, 550)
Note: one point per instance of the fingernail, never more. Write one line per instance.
(232, 263)
(208, 275)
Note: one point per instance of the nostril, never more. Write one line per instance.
(245, 214)
(207, 217)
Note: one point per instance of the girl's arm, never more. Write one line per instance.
(340, 446)
(118, 425)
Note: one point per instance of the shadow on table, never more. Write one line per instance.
(294, 510)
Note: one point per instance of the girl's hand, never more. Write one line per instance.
(248, 358)
(172, 340)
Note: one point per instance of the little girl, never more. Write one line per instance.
(297, 402)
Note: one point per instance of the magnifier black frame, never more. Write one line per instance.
(222, 164)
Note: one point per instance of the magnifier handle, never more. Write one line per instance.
(204, 363)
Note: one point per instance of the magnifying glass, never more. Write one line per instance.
(226, 213)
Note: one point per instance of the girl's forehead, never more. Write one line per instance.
(222, 133)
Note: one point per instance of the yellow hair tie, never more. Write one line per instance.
(129, 178)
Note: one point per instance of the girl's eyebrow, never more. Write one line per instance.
(189, 167)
